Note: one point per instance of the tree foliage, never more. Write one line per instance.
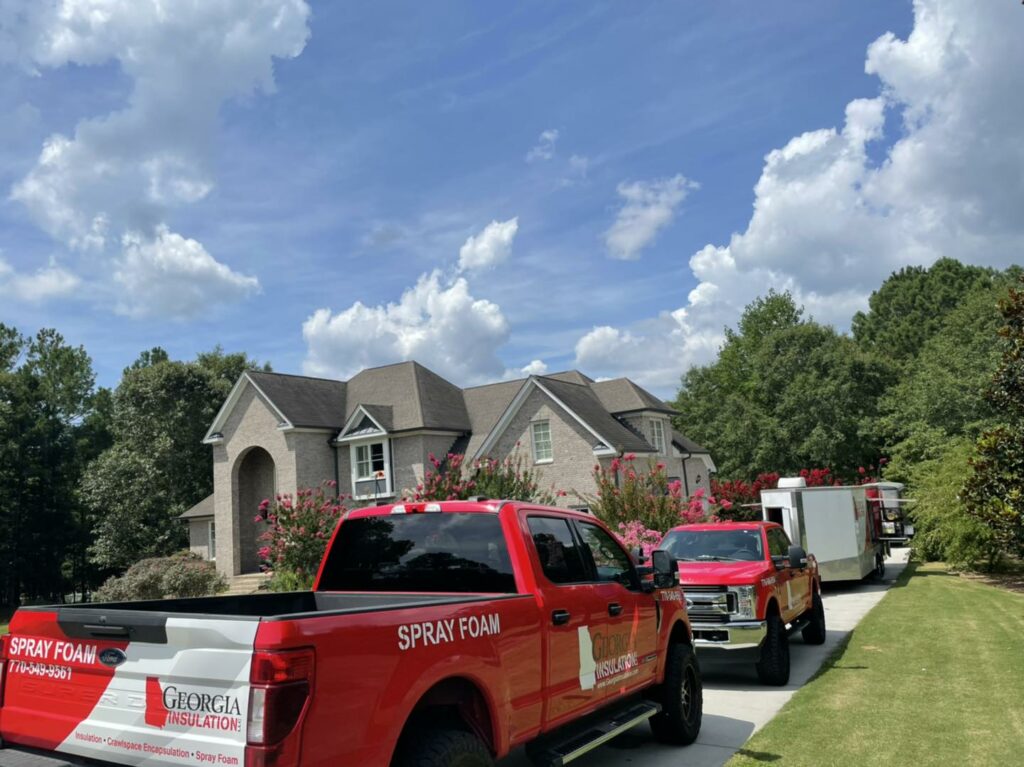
(910, 307)
(48, 427)
(941, 397)
(994, 492)
(157, 466)
(785, 392)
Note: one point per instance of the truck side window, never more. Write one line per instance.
(778, 543)
(611, 561)
(560, 556)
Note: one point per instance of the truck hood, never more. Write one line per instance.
(723, 573)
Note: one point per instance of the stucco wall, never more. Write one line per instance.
(252, 423)
(199, 537)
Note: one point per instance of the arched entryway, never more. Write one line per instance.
(256, 481)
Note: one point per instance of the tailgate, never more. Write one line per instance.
(128, 687)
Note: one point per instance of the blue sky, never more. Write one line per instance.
(394, 132)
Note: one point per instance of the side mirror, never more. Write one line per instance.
(666, 569)
(797, 557)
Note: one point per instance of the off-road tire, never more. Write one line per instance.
(681, 696)
(443, 748)
(814, 632)
(773, 668)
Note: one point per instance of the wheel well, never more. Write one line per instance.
(454, 703)
(680, 633)
(772, 607)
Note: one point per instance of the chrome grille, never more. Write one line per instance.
(709, 604)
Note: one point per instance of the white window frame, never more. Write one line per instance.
(387, 489)
(658, 436)
(537, 457)
(211, 540)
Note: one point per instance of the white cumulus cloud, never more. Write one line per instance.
(437, 322)
(48, 282)
(534, 368)
(544, 149)
(490, 247)
(115, 181)
(648, 207)
(830, 224)
(172, 276)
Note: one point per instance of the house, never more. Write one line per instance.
(374, 434)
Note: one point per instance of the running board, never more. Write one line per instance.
(798, 624)
(574, 741)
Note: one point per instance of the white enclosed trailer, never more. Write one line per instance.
(834, 524)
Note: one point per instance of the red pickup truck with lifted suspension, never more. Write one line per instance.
(436, 635)
(747, 589)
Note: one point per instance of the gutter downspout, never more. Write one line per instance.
(686, 485)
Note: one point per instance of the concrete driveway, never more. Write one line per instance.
(735, 705)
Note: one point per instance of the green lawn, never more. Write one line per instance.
(934, 675)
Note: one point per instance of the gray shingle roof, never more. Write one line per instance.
(572, 376)
(419, 398)
(620, 395)
(485, 405)
(687, 445)
(408, 396)
(582, 400)
(305, 402)
(202, 509)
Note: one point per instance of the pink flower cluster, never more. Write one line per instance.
(297, 529)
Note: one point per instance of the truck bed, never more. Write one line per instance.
(267, 607)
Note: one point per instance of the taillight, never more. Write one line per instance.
(3, 664)
(281, 685)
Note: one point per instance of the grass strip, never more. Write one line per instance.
(933, 675)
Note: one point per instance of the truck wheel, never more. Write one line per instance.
(879, 567)
(773, 668)
(681, 697)
(444, 748)
(814, 632)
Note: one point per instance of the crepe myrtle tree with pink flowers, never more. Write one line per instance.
(452, 479)
(297, 532)
(642, 504)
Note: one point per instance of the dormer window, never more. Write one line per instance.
(369, 460)
(371, 469)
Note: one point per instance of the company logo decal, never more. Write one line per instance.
(112, 657)
(175, 705)
(605, 658)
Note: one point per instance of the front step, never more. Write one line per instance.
(575, 740)
(246, 584)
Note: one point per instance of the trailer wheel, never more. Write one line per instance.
(681, 698)
(814, 632)
(773, 668)
(879, 567)
(444, 748)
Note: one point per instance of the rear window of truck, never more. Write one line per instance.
(432, 552)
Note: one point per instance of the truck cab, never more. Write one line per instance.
(747, 588)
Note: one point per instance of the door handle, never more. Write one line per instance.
(560, 617)
(614, 608)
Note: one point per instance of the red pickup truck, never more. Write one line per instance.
(747, 589)
(436, 634)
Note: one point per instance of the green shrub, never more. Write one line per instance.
(944, 529)
(181, 575)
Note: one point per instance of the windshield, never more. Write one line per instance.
(433, 552)
(714, 545)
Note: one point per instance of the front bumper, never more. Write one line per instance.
(746, 635)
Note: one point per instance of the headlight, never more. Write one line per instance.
(745, 602)
(889, 528)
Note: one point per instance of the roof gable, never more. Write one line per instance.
(620, 395)
(418, 397)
